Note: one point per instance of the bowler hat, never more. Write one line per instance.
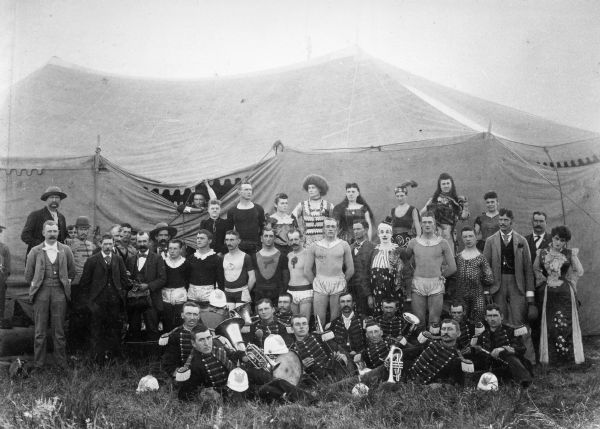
(82, 221)
(53, 190)
(163, 225)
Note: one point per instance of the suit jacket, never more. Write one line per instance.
(523, 266)
(32, 231)
(360, 281)
(36, 264)
(532, 249)
(154, 273)
(93, 279)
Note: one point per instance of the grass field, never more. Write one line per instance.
(104, 397)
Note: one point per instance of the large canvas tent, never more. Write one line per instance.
(349, 117)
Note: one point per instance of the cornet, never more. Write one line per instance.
(396, 364)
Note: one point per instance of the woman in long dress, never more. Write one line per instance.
(557, 269)
(385, 270)
(351, 210)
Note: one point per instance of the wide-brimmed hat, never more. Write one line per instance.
(163, 225)
(53, 190)
(82, 221)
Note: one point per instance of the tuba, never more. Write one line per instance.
(396, 364)
(411, 323)
(242, 311)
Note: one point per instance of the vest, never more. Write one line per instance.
(51, 277)
(508, 256)
(352, 339)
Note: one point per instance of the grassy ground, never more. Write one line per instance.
(103, 397)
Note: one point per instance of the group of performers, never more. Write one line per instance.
(274, 305)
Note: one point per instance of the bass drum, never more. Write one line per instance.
(289, 369)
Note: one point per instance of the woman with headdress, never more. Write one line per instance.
(406, 222)
(556, 270)
(448, 208)
(351, 210)
(312, 212)
(385, 269)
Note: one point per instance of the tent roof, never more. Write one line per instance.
(183, 131)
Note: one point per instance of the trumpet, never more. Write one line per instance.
(260, 360)
(396, 364)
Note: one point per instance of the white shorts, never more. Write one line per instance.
(329, 285)
(300, 296)
(174, 296)
(200, 293)
(428, 286)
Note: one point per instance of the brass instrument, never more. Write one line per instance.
(396, 364)
(231, 329)
(325, 335)
(412, 322)
(242, 311)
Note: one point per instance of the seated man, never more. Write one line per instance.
(377, 348)
(179, 340)
(284, 309)
(389, 322)
(319, 359)
(348, 327)
(267, 324)
(466, 330)
(440, 361)
(501, 348)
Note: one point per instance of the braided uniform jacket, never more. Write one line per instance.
(177, 350)
(375, 353)
(503, 336)
(210, 370)
(275, 327)
(284, 317)
(437, 363)
(313, 348)
(352, 339)
(465, 334)
(390, 327)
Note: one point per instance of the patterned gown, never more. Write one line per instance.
(560, 338)
(385, 276)
(472, 275)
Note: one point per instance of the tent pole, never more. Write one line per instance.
(562, 202)
(96, 172)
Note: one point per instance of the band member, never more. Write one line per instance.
(299, 286)
(206, 269)
(147, 271)
(329, 257)
(500, 348)
(270, 268)
(440, 361)
(389, 321)
(179, 340)
(239, 272)
(33, 231)
(348, 327)
(377, 348)
(282, 223)
(473, 277)
(319, 360)
(248, 219)
(311, 213)
(513, 288)
(457, 313)
(105, 279)
(360, 284)
(49, 270)
(174, 293)
(284, 309)
(267, 324)
(434, 261)
(487, 224)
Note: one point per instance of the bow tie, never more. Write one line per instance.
(143, 255)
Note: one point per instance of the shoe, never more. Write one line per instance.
(6, 324)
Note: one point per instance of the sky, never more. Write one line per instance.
(540, 56)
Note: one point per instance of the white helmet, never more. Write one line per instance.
(488, 381)
(238, 380)
(147, 383)
(360, 390)
(217, 298)
(274, 345)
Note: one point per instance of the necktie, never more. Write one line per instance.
(506, 239)
(537, 239)
(107, 260)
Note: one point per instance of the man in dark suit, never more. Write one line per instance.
(539, 238)
(104, 278)
(32, 231)
(147, 271)
(513, 288)
(360, 284)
